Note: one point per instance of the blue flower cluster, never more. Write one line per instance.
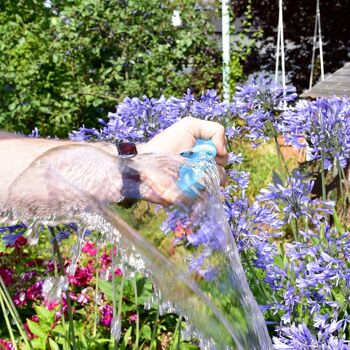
(312, 285)
(325, 126)
(141, 119)
(259, 103)
(294, 199)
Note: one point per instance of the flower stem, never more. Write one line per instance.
(66, 344)
(69, 304)
(177, 334)
(323, 179)
(137, 314)
(256, 278)
(114, 300)
(281, 161)
(155, 326)
(94, 332)
(295, 229)
(13, 311)
(8, 324)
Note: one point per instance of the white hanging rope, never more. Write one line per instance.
(317, 32)
(280, 48)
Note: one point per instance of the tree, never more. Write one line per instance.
(66, 63)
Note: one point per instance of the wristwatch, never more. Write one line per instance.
(130, 177)
(126, 149)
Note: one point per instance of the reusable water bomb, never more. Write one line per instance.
(205, 146)
(189, 176)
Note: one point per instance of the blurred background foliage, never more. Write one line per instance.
(65, 63)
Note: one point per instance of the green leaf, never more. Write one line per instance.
(44, 314)
(38, 343)
(53, 345)
(126, 338)
(146, 332)
(36, 329)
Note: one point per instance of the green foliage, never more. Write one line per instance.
(260, 162)
(65, 66)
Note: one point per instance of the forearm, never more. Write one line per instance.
(18, 152)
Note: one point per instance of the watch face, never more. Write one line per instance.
(126, 149)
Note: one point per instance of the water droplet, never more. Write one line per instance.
(116, 328)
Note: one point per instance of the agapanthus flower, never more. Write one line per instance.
(260, 102)
(299, 337)
(209, 107)
(12, 233)
(294, 199)
(139, 119)
(240, 178)
(252, 225)
(306, 286)
(324, 124)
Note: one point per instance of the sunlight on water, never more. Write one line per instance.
(203, 281)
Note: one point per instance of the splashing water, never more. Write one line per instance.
(203, 280)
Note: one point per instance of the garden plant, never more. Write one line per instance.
(292, 234)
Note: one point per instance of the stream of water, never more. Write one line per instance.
(203, 281)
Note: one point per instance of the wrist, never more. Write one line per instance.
(142, 148)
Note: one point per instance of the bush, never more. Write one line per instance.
(67, 63)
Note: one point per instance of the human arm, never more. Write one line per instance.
(17, 153)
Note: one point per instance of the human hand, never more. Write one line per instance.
(181, 137)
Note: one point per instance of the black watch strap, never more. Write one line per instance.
(130, 177)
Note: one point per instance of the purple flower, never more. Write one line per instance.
(299, 337)
(140, 119)
(259, 102)
(295, 199)
(324, 124)
(12, 233)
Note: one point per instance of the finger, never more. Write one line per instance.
(208, 130)
(222, 175)
(221, 160)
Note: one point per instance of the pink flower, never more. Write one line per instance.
(20, 242)
(50, 305)
(19, 299)
(34, 291)
(51, 266)
(27, 276)
(6, 345)
(30, 335)
(106, 315)
(89, 249)
(82, 276)
(118, 271)
(105, 260)
(133, 318)
(6, 274)
(35, 262)
(83, 298)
